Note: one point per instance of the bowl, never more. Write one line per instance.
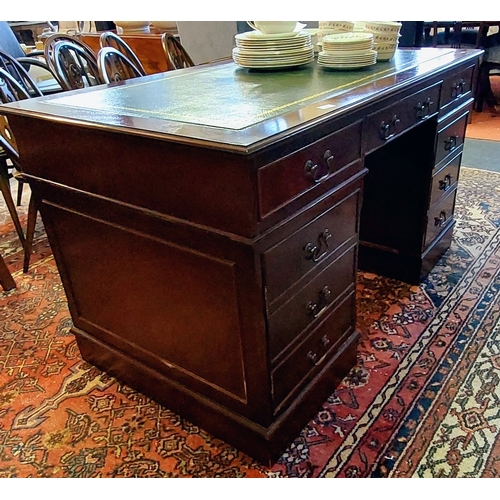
(381, 27)
(385, 47)
(273, 27)
(336, 25)
(385, 38)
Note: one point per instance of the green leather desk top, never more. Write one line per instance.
(226, 104)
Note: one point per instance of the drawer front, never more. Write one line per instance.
(445, 180)
(456, 87)
(312, 302)
(284, 180)
(394, 120)
(310, 246)
(451, 137)
(311, 355)
(440, 218)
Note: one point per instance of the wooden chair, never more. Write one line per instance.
(11, 90)
(176, 54)
(50, 41)
(115, 67)
(73, 64)
(6, 280)
(10, 46)
(110, 39)
(18, 71)
(483, 93)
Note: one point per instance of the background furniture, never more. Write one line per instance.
(147, 48)
(175, 53)
(6, 280)
(114, 66)
(73, 63)
(11, 91)
(244, 235)
(33, 62)
(28, 31)
(110, 39)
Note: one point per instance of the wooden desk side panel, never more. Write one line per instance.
(206, 187)
(185, 302)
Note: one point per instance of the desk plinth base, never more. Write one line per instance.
(263, 444)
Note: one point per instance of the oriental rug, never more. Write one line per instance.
(423, 400)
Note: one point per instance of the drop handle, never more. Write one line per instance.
(311, 169)
(445, 183)
(423, 109)
(457, 89)
(451, 143)
(441, 220)
(388, 128)
(315, 309)
(313, 356)
(313, 251)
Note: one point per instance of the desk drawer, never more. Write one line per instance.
(455, 87)
(445, 180)
(310, 303)
(396, 119)
(451, 136)
(289, 177)
(313, 353)
(440, 218)
(310, 246)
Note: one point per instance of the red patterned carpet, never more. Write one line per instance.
(423, 400)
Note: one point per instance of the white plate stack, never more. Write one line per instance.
(256, 50)
(346, 51)
(386, 37)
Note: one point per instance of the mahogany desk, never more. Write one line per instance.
(207, 223)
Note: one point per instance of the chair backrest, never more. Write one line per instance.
(115, 66)
(110, 39)
(74, 67)
(10, 91)
(176, 54)
(50, 41)
(8, 41)
(16, 70)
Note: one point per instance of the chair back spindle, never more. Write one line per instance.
(110, 39)
(176, 54)
(114, 66)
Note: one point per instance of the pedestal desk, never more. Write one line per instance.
(207, 223)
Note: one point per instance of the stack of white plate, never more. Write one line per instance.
(386, 37)
(345, 51)
(269, 51)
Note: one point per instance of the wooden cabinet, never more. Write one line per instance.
(209, 249)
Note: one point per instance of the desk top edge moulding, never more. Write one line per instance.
(208, 223)
(250, 118)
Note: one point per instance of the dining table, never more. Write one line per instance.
(208, 223)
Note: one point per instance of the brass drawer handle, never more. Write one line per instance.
(313, 251)
(441, 220)
(451, 143)
(445, 183)
(315, 309)
(388, 128)
(423, 109)
(457, 89)
(313, 356)
(311, 169)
